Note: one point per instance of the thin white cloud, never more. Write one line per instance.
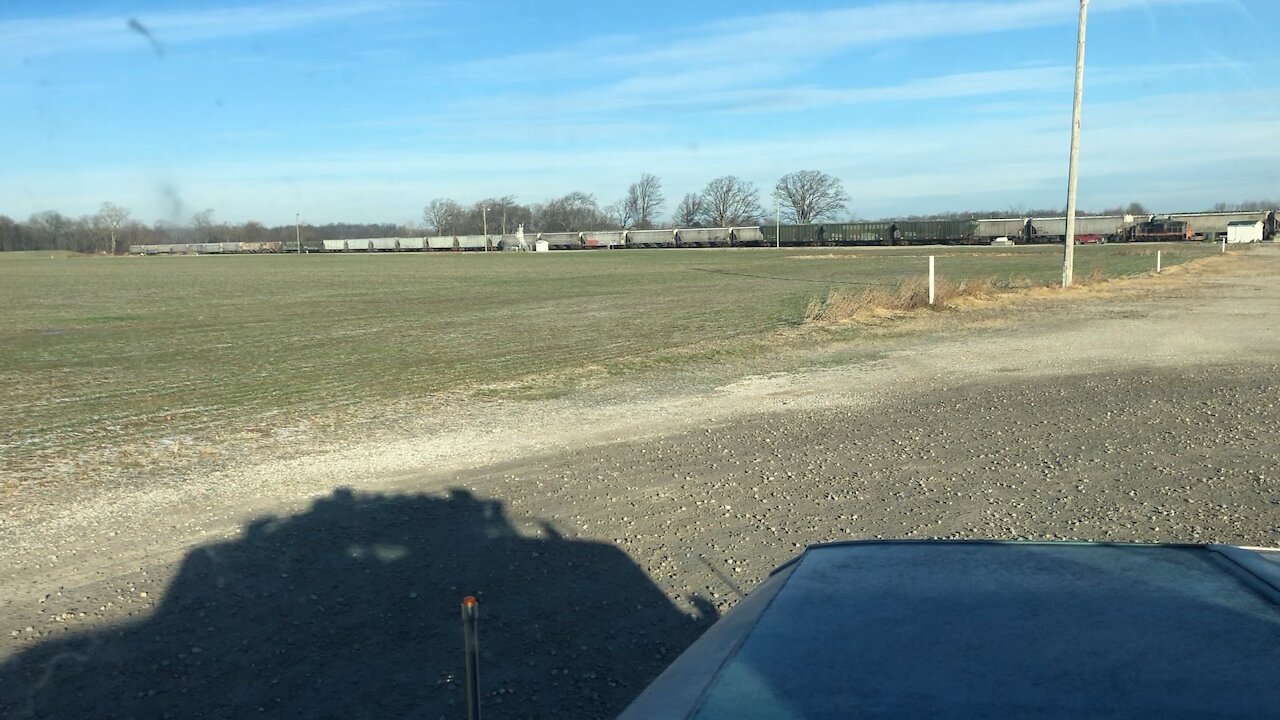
(785, 40)
(764, 63)
(626, 107)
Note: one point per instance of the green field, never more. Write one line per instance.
(100, 352)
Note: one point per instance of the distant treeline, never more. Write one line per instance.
(112, 229)
(52, 230)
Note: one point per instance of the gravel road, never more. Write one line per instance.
(328, 585)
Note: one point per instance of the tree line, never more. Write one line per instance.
(112, 230)
(804, 196)
(728, 201)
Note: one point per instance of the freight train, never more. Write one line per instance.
(1209, 227)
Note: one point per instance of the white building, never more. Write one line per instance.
(1244, 231)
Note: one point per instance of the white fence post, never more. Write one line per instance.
(931, 284)
(1157, 262)
(1224, 243)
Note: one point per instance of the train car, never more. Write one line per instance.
(358, 245)
(229, 247)
(746, 236)
(899, 232)
(143, 250)
(1212, 226)
(651, 238)
(1107, 228)
(386, 244)
(334, 245)
(208, 248)
(441, 242)
(607, 239)
(703, 237)
(858, 233)
(250, 247)
(1048, 230)
(271, 247)
(308, 246)
(411, 244)
(473, 242)
(509, 243)
(933, 232)
(183, 249)
(561, 240)
(792, 235)
(988, 229)
(1161, 230)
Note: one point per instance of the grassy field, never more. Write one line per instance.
(109, 352)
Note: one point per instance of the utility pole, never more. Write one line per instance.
(504, 219)
(484, 215)
(1068, 257)
(777, 219)
(297, 230)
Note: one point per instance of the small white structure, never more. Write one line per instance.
(1002, 242)
(542, 246)
(1244, 231)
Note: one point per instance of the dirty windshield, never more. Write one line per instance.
(320, 317)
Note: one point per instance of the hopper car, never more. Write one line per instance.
(983, 231)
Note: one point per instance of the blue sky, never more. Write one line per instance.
(364, 110)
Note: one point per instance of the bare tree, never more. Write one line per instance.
(729, 201)
(503, 213)
(575, 211)
(619, 213)
(444, 215)
(689, 212)
(11, 236)
(52, 230)
(644, 199)
(203, 226)
(111, 217)
(810, 195)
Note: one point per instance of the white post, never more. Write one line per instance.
(297, 230)
(1068, 258)
(931, 284)
(1157, 262)
(1224, 243)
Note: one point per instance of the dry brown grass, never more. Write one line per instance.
(874, 304)
(841, 305)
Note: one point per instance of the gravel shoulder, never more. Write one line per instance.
(641, 509)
